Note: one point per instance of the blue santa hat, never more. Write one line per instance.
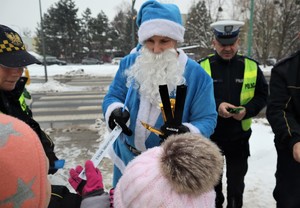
(160, 19)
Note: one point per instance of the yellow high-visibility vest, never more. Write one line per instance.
(248, 88)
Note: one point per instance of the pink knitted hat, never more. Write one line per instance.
(181, 173)
(23, 165)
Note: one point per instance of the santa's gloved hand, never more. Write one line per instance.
(173, 129)
(93, 183)
(120, 117)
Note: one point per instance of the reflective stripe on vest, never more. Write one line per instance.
(248, 88)
(23, 102)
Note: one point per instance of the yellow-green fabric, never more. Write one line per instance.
(206, 65)
(23, 102)
(248, 88)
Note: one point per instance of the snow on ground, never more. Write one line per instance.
(259, 180)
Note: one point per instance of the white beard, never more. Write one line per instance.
(151, 70)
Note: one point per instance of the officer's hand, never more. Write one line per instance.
(240, 115)
(296, 152)
(120, 117)
(223, 110)
(171, 129)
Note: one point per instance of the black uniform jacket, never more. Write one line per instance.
(10, 105)
(228, 76)
(283, 110)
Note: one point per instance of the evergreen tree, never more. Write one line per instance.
(122, 27)
(198, 31)
(99, 31)
(118, 25)
(86, 36)
(61, 30)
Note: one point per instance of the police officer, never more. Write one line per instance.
(283, 114)
(13, 59)
(240, 91)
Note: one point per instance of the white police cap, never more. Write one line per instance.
(226, 31)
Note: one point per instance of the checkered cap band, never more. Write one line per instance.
(6, 46)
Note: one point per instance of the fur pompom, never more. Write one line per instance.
(192, 164)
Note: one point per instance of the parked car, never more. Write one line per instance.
(116, 60)
(91, 61)
(271, 61)
(50, 60)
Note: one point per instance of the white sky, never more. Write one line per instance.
(25, 14)
(259, 180)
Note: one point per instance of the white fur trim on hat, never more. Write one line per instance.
(161, 27)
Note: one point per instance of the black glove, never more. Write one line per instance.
(62, 197)
(172, 129)
(52, 158)
(120, 117)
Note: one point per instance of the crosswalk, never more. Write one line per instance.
(60, 109)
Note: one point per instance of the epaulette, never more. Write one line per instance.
(244, 56)
(281, 61)
(202, 59)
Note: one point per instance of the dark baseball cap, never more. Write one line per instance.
(12, 49)
(226, 31)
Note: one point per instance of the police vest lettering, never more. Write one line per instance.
(248, 88)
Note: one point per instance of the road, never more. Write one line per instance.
(62, 109)
(70, 120)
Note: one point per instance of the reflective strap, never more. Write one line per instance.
(23, 102)
(206, 66)
(248, 89)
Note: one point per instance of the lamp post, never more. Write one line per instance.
(250, 28)
(43, 42)
(132, 24)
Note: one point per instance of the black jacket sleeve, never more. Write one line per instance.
(283, 112)
(10, 105)
(61, 197)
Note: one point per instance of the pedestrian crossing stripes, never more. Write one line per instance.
(59, 109)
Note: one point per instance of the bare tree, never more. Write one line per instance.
(275, 26)
(287, 28)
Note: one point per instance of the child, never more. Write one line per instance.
(24, 166)
(180, 173)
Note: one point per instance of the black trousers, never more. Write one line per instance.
(287, 189)
(236, 159)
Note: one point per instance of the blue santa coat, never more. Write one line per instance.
(199, 110)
